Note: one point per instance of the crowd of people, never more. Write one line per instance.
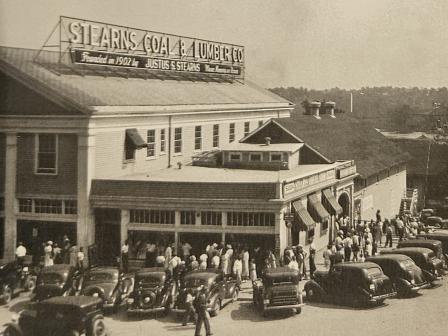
(50, 253)
(364, 238)
(233, 259)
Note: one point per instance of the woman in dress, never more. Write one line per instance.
(48, 254)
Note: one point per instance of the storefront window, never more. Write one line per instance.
(25, 205)
(70, 207)
(251, 218)
(211, 218)
(152, 216)
(188, 217)
(48, 206)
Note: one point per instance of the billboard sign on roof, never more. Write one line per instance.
(102, 44)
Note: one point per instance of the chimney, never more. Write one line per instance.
(267, 141)
(329, 107)
(315, 105)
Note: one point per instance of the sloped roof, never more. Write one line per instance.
(422, 150)
(346, 138)
(109, 89)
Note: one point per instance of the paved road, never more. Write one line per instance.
(425, 314)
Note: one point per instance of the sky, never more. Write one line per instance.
(310, 43)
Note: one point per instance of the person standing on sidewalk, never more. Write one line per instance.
(388, 236)
(125, 256)
(400, 228)
(348, 242)
(189, 312)
(201, 309)
(327, 254)
(311, 258)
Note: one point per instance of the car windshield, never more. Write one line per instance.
(190, 283)
(101, 277)
(374, 272)
(51, 278)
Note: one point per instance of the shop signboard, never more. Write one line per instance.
(102, 44)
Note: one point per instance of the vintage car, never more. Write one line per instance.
(108, 284)
(13, 280)
(154, 291)
(424, 258)
(433, 244)
(56, 280)
(441, 236)
(60, 316)
(405, 275)
(278, 289)
(356, 284)
(220, 289)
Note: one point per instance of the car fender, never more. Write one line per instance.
(14, 326)
(311, 284)
(403, 283)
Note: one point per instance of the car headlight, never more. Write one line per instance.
(15, 317)
(372, 287)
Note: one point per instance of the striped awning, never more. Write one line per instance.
(330, 203)
(317, 210)
(305, 220)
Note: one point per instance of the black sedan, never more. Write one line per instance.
(406, 276)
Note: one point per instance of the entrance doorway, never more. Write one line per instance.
(107, 235)
(344, 202)
(34, 233)
(199, 241)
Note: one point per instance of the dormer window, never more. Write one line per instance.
(276, 157)
(255, 157)
(235, 156)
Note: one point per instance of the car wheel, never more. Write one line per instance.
(7, 294)
(98, 327)
(298, 310)
(11, 331)
(30, 284)
(216, 307)
(312, 295)
(235, 295)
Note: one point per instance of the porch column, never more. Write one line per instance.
(86, 165)
(10, 238)
(124, 224)
(224, 225)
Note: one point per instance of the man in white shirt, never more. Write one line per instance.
(20, 253)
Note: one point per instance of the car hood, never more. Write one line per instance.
(105, 290)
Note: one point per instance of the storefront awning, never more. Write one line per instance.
(134, 137)
(305, 219)
(316, 208)
(330, 203)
